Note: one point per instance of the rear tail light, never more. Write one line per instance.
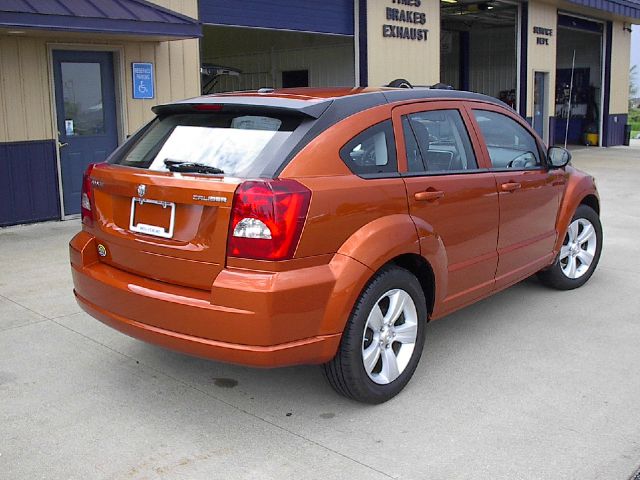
(267, 219)
(86, 197)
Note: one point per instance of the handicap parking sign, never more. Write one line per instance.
(142, 75)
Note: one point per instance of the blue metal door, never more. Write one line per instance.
(86, 116)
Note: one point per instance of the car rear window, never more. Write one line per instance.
(239, 144)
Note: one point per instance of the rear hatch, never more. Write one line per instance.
(171, 225)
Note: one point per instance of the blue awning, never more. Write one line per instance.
(123, 17)
(623, 8)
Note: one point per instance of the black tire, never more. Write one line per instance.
(346, 371)
(554, 276)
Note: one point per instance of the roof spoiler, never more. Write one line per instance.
(247, 104)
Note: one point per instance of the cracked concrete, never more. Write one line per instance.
(529, 384)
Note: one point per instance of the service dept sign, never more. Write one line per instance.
(406, 22)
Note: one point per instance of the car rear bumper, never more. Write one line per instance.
(310, 350)
(265, 319)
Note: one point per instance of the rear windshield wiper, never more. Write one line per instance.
(190, 167)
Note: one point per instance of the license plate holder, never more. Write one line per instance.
(146, 228)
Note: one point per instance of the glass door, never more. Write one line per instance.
(86, 116)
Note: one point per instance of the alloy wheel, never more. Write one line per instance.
(578, 249)
(390, 336)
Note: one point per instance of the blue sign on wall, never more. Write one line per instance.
(142, 74)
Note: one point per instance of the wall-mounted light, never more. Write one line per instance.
(626, 28)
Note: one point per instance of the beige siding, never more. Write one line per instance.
(391, 58)
(25, 97)
(542, 58)
(25, 108)
(620, 52)
(176, 70)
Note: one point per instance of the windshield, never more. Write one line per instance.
(234, 143)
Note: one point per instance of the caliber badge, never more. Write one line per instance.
(102, 250)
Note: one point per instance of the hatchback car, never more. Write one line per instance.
(325, 226)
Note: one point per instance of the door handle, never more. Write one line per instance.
(428, 196)
(510, 186)
(62, 145)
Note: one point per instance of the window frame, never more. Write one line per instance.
(392, 151)
(427, 106)
(471, 106)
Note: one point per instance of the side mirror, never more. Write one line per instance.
(558, 157)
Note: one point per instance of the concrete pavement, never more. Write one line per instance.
(529, 384)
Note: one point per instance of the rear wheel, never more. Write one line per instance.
(383, 340)
(579, 254)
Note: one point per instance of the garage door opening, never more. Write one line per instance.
(579, 82)
(252, 58)
(479, 47)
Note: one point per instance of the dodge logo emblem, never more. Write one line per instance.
(142, 189)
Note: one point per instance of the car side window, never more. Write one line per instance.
(373, 151)
(414, 157)
(509, 144)
(440, 142)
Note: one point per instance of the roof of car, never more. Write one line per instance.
(315, 101)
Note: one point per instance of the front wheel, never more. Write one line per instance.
(383, 340)
(579, 254)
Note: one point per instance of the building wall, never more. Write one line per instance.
(327, 66)
(450, 60)
(25, 107)
(25, 77)
(492, 60)
(28, 152)
(262, 55)
(620, 64)
(541, 58)
(390, 58)
(177, 72)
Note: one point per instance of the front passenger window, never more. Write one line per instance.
(508, 142)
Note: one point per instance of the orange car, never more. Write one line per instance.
(325, 226)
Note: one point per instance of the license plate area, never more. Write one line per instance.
(152, 217)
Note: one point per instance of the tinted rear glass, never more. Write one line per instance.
(238, 144)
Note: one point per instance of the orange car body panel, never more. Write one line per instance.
(184, 293)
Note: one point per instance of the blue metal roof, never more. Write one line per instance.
(128, 17)
(320, 16)
(624, 8)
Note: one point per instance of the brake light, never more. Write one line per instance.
(208, 107)
(86, 197)
(267, 219)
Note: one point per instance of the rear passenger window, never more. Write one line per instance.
(437, 141)
(372, 151)
(510, 145)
